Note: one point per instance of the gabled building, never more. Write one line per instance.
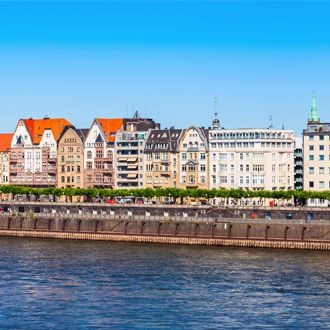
(70, 158)
(161, 158)
(33, 159)
(193, 159)
(4, 158)
(98, 153)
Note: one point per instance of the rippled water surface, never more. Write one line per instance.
(91, 285)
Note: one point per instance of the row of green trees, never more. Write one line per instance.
(173, 193)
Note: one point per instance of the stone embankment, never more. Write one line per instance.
(314, 235)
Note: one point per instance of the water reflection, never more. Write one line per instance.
(74, 284)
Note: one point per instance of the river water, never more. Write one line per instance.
(58, 284)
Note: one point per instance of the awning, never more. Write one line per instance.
(132, 159)
(131, 176)
(122, 159)
(132, 167)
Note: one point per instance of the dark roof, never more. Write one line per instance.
(170, 137)
(82, 133)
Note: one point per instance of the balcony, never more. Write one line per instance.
(299, 180)
(299, 171)
(298, 163)
(298, 154)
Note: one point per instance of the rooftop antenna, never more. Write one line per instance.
(271, 121)
(283, 124)
(145, 111)
(127, 112)
(132, 111)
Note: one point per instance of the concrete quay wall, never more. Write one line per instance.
(168, 211)
(266, 235)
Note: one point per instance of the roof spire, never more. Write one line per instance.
(215, 121)
(314, 110)
(283, 124)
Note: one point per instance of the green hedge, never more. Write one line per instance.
(167, 192)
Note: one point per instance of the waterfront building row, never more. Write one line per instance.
(137, 153)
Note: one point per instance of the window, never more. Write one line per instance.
(311, 148)
(241, 168)
(311, 170)
(62, 149)
(68, 179)
(203, 169)
(156, 179)
(183, 156)
(247, 181)
(70, 149)
(232, 181)
(321, 148)
(247, 156)
(273, 180)
(183, 168)
(109, 154)
(78, 169)
(223, 156)
(78, 179)
(78, 158)
(223, 167)
(311, 157)
(311, 184)
(232, 156)
(321, 184)
(273, 156)
(99, 154)
(241, 156)
(62, 179)
(89, 178)
(273, 168)
(214, 157)
(258, 168)
(311, 137)
(203, 179)
(321, 170)
(202, 156)
(247, 168)
(191, 167)
(258, 156)
(241, 181)
(89, 155)
(89, 165)
(321, 137)
(232, 169)
(258, 179)
(62, 169)
(321, 157)
(223, 179)
(68, 168)
(149, 179)
(62, 158)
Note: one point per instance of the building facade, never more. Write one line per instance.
(98, 153)
(4, 158)
(316, 153)
(33, 159)
(161, 158)
(70, 158)
(193, 154)
(253, 159)
(298, 163)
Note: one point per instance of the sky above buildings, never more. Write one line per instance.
(82, 60)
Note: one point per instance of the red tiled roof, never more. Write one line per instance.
(110, 126)
(5, 142)
(37, 127)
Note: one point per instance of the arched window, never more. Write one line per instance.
(109, 154)
(203, 179)
(184, 179)
(89, 155)
(191, 179)
(5, 158)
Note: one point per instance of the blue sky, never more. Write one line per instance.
(82, 60)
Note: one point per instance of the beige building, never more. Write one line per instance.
(4, 158)
(70, 158)
(253, 159)
(161, 158)
(193, 154)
